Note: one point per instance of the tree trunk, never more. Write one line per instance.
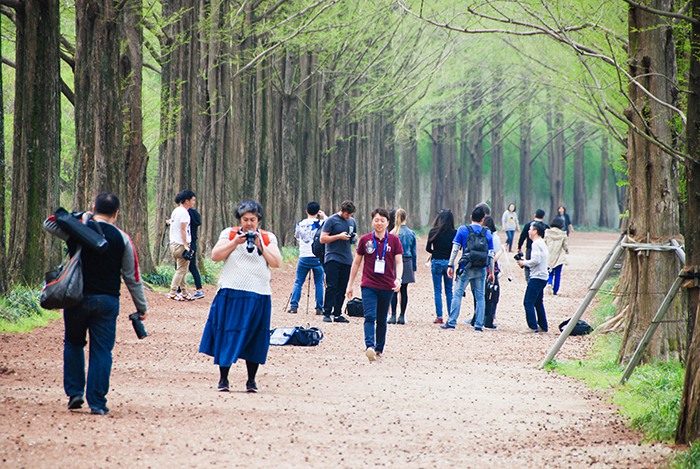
(526, 209)
(498, 204)
(3, 190)
(409, 182)
(99, 163)
(445, 192)
(603, 218)
(555, 151)
(653, 189)
(688, 428)
(134, 217)
(37, 144)
(580, 196)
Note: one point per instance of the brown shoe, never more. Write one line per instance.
(438, 321)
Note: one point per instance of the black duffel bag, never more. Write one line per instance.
(354, 308)
(581, 327)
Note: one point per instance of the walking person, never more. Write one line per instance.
(439, 246)
(238, 325)
(408, 243)
(510, 224)
(476, 266)
(568, 227)
(533, 301)
(338, 234)
(180, 238)
(195, 223)
(97, 313)
(304, 232)
(525, 238)
(382, 272)
(493, 287)
(558, 246)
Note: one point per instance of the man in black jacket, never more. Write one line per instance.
(97, 313)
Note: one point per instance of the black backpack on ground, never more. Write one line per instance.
(581, 327)
(318, 248)
(475, 254)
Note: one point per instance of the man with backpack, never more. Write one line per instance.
(475, 265)
(304, 232)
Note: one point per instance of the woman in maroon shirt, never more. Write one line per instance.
(381, 277)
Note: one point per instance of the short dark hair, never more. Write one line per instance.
(184, 195)
(478, 213)
(313, 207)
(249, 206)
(557, 222)
(540, 227)
(382, 212)
(106, 203)
(539, 213)
(485, 206)
(489, 223)
(348, 207)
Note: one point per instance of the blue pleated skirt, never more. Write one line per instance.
(238, 327)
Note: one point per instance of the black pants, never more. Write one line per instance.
(492, 295)
(404, 300)
(337, 276)
(193, 266)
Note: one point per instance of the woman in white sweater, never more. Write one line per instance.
(533, 301)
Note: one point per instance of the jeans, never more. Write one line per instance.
(493, 294)
(304, 265)
(375, 304)
(97, 314)
(509, 239)
(438, 267)
(555, 278)
(477, 279)
(534, 306)
(337, 276)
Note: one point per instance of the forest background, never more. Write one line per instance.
(419, 104)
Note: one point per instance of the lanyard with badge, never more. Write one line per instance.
(379, 262)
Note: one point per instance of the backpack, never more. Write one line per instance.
(303, 336)
(318, 248)
(581, 327)
(475, 254)
(353, 308)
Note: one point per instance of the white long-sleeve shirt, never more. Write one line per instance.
(538, 260)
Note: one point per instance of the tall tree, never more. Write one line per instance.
(555, 150)
(3, 189)
(580, 195)
(525, 205)
(653, 188)
(688, 428)
(603, 218)
(35, 156)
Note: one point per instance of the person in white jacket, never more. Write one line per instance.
(557, 243)
(533, 302)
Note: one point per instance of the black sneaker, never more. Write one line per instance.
(340, 319)
(491, 328)
(99, 411)
(223, 385)
(293, 310)
(327, 319)
(75, 402)
(250, 386)
(319, 311)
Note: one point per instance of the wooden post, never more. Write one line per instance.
(593, 289)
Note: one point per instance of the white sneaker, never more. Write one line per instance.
(371, 354)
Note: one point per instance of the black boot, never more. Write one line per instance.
(401, 320)
(392, 319)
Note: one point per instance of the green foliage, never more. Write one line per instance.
(20, 311)
(651, 397)
(208, 269)
(290, 254)
(688, 459)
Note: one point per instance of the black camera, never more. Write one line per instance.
(518, 256)
(139, 328)
(188, 255)
(249, 241)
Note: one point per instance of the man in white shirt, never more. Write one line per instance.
(304, 233)
(533, 302)
(180, 243)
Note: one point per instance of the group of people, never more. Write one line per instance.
(238, 323)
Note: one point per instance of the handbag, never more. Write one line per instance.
(64, 285)
(354, 308)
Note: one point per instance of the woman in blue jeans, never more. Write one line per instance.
(440, 246)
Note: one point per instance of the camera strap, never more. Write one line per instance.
(264, 234)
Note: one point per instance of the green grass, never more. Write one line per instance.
(651, 397)
(20, 311)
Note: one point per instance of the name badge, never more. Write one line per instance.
(379, 265)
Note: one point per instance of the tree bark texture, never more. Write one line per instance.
(580, 214)
(409, 182)
(555, 152)
(445, 189)
(498, 203)
(526, 209)
(36, 152)
(99, 162)
(653, 190)
(688, 428)
(603, 217)
(3, 189)
(134, 213)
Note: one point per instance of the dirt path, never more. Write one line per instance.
(437, 398)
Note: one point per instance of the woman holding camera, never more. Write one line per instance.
(239, 319)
